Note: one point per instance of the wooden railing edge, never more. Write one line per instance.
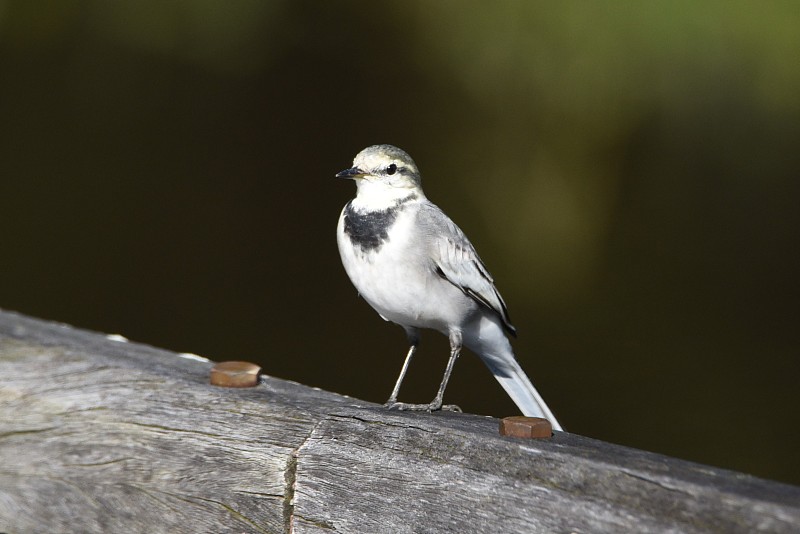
(99, 434)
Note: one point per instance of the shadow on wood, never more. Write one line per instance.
(101, 435)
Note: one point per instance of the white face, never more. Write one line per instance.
(388, 166)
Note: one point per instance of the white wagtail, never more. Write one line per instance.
(416, 268)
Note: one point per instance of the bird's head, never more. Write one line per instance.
(384, 170)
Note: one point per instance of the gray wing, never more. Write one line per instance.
(456, 261)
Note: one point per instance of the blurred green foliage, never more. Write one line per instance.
(628, 171)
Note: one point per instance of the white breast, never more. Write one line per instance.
(399, 280)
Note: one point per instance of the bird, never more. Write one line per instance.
(417, 269)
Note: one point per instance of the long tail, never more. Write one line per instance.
(523, 393)
(491, 344)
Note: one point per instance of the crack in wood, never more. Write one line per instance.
(382, 423)
(290, 477)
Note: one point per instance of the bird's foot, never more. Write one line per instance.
(430, 407)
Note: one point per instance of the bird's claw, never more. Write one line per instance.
(430, 407)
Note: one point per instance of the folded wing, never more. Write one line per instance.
(456, 260)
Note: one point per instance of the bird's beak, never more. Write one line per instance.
(355, 172)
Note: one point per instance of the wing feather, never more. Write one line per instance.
(456, 260)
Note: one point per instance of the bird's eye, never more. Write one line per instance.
(391, 169)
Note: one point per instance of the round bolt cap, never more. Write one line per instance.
(235, 374)
(525, 427)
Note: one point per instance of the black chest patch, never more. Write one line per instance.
(370, 230)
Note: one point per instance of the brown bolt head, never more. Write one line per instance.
(235, 374)
(525, 427)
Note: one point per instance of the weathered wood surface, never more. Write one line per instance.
(99, 435)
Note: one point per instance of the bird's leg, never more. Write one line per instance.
(413, 339)
(393, 397)
(455, 350)
(436, 404)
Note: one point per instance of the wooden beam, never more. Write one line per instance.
(100, 435)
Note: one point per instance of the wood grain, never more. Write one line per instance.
(98, 435)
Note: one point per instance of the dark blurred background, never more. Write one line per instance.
(628, 171)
